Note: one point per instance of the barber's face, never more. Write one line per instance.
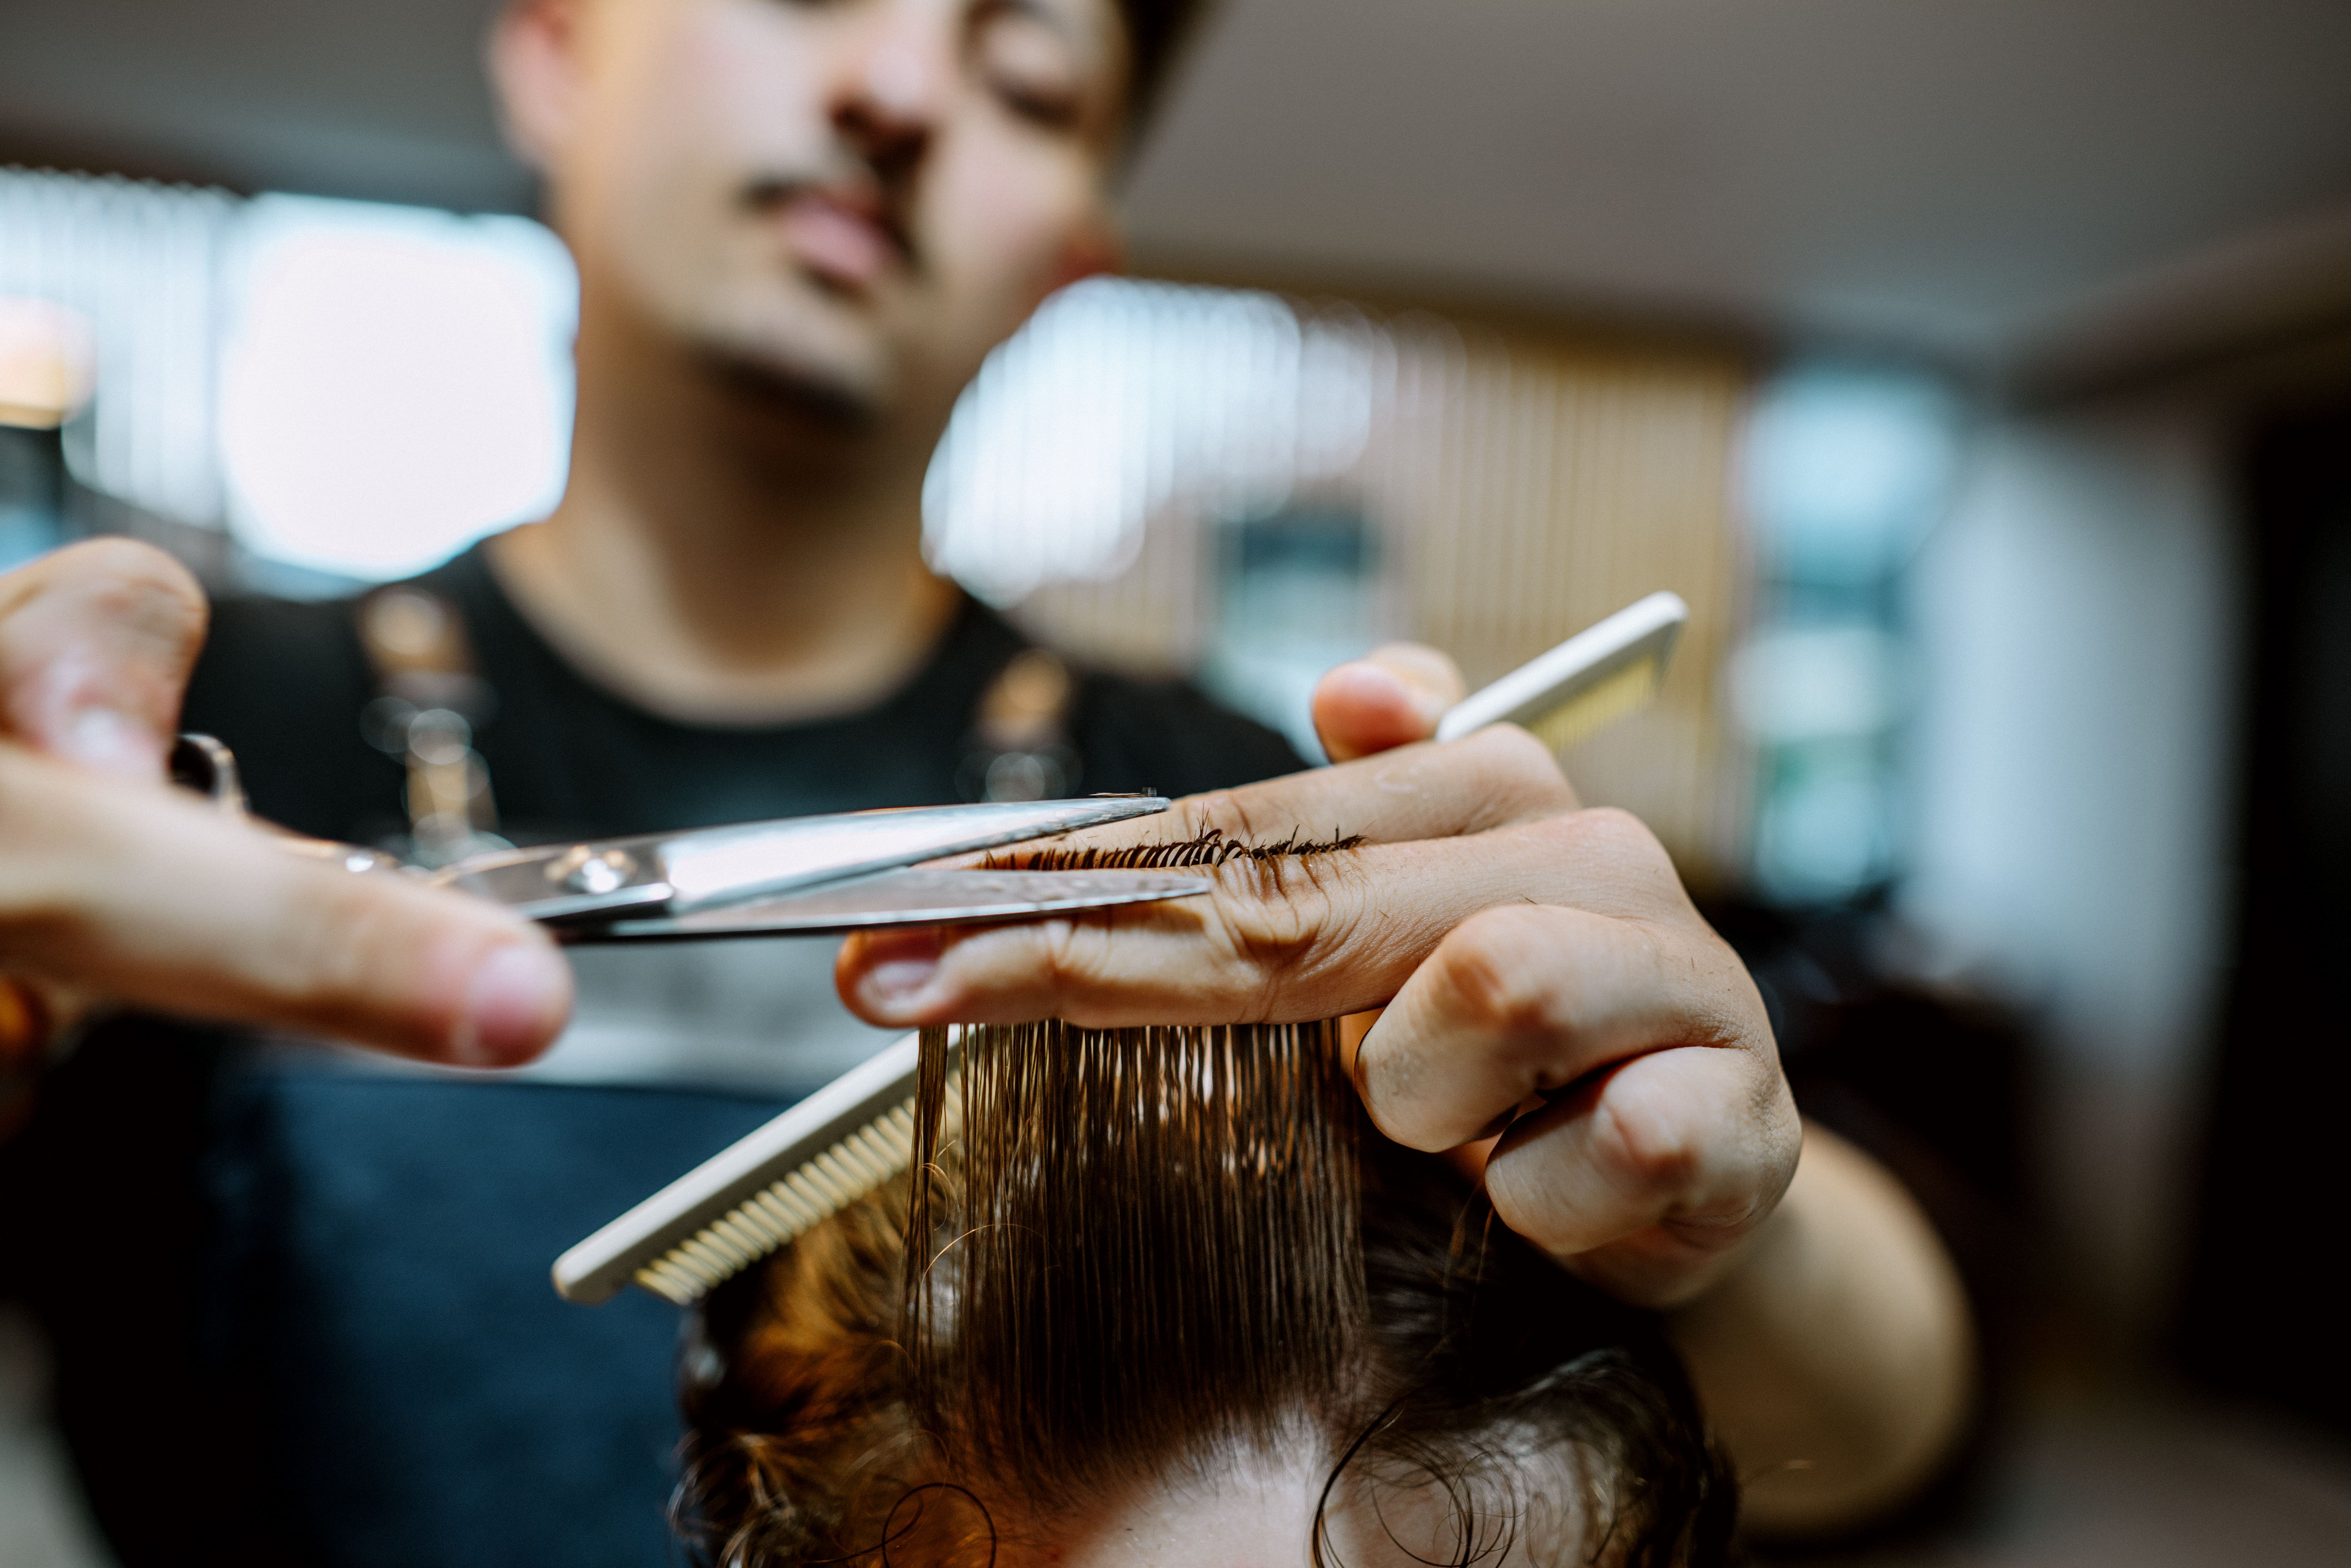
(855, 199)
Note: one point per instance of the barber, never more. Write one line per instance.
(800, 229)
(1556, 1014)
(116, 891)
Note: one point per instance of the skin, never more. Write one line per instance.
(114, 885)
(800, 227)
(1552, 1011)
(1243, 1507)
(1529, 957)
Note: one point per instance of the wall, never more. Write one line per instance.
(2078, 618)
(1522, 487)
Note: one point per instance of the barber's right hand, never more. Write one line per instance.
(115, 884)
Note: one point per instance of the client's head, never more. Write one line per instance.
(1160, 1296)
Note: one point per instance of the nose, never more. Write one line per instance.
(893, 89)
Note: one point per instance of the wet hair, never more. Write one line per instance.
(1132, 1249)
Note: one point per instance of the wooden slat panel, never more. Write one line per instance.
(1522, 488)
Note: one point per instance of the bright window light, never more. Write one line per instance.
(395, 383)
(1848, 466)
(1120, 399)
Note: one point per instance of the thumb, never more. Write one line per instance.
(96, 641)
(1392, 696)
(144, 894)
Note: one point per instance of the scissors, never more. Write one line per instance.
(854, 870)
(858, 1131)
(793, 876)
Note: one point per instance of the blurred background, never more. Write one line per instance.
(1979, 370)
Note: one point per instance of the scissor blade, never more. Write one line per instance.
(675, 873)
(906, 898)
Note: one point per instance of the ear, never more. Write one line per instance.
(534, 61)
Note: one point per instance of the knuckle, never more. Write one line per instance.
(1491, 968)
(126, 575)
(1269, 936)
(1602, 832)
(1515, 753)
(136, 607)
(1066, 957)
(1270, 941)
(1647, 1149)
(1614, 853)
(122, 558)
(1519, 772)
(1619, 832)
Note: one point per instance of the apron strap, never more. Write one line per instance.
(428, 702)
(1019, 748)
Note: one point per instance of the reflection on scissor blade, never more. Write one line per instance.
(674, 873)
(908, 898)
(729, 863)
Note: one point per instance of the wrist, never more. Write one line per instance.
(1836, 1359)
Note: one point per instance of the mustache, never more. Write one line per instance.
(880, 200)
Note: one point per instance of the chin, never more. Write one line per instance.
(847, 399)
(782, 339)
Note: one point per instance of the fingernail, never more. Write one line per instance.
(1431, 706)
(1427, 705)
(1418, 699)
(104, 737)
(519, 997)
(899, 969)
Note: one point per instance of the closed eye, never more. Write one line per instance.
(1035, 63)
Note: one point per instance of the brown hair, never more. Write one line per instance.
(1142, 1244)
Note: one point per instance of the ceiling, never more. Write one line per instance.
(1977, 179)
(345, 96)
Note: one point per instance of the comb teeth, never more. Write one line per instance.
(773, 1219)
(1597, 705)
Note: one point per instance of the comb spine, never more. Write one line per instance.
(596, 1269)
(780, 1214)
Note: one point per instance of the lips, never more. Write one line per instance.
(842, 240)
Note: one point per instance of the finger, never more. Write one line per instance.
(132, 890)
(1642, 1179)
(1392, 696)
(1280, 942)
(96, 643)
(1498, 777)
(1524, 1000)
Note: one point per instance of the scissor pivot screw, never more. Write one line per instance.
(584, 869)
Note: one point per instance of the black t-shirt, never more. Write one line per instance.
(302, 1312)
(284, 685)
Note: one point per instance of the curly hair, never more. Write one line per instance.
(1142, 1247)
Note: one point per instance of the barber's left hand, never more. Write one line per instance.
(1545, 977)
